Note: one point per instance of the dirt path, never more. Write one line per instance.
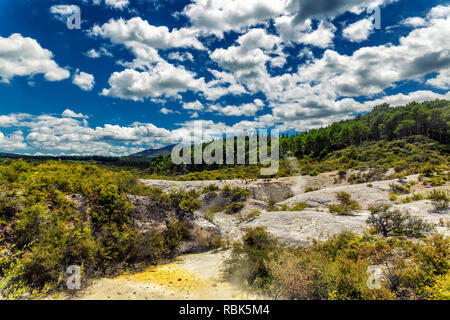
(191, 277)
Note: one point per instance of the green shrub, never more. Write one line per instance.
(342, 174)
(393, 197)
(436, 181)
(190, 204)
(248, 260)
(401, 165)
(333, 269)
(400, 189)
(8, 206)
(234, 208)
(29, 224)
(226, 191)
(426, 269)
(406, 200)
(390, 222)
(440, 290)
(346, 207)
(217, 243)
(299, 206)
(427, 171)
(418, 197)
(236, 194)
(209, 216)
(439, 199)
(111, 206)
(186, 200)
(12, 285)
(210, 188)
(176, 231)
(116, 244)
(252, 215)
(240, 194)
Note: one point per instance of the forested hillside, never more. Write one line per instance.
(430, 119)
(418, 133)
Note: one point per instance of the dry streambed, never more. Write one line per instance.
(190, 277)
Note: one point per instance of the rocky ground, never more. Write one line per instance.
(202, 271)
(316, 222)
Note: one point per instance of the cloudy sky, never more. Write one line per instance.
(139, 73)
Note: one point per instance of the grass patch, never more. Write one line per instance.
(253, 214)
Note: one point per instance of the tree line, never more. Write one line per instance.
(430, 119)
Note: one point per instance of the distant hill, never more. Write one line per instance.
(8, 155)
(154, 153)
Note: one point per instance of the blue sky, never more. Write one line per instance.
(140, 73)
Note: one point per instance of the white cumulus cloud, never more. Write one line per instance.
(83, 80)
(23, 56)
(117, 4)
(359, 31)
(138, 31)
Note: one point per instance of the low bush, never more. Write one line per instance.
(209, 216)
(393, 197)
(338, 268)
(440, 200)
(284, 207)
(342, 174)
(248, 259)
(9, 205)
(210, 188)
(186, 200)
(418, 197)
(436, 181)
(389, 222)
(190, 204)
(176, 232)
(253, 214)
(299, 206)
(236, 194)
(400, 189)
(346, 207)
(234, 208)
(217, 243)
(226, 191)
